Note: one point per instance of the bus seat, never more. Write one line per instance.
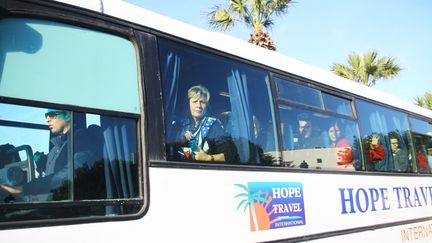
(88, 164)
(6, 157)
(89, 140)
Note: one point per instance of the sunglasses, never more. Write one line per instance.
(52, 114)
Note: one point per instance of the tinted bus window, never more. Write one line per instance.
(73, 156)
(216, 110)
(422, 138)
(421, 126)
(316, 140)
(298, 93)
(337, 104)
(50, 59)
(385, 138)
(60, 157)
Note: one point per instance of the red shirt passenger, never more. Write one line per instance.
(376, 154)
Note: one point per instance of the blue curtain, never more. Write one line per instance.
(170, 80)
(240, 120)
(119, 147)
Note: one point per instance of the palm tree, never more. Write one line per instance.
(425, 101)
(249, 202)
(367, 68)
(253, 13)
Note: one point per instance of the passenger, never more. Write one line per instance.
(422, 161)
(429, 157)
(400, 155)
(309, 137)
(338, 140)
(336, 137)
(200, 136)
(376, 154)
(56, 173)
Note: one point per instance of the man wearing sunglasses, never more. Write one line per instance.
(59, 124)
(53, 176)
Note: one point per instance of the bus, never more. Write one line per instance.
(118, 124)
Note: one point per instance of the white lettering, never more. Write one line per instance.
(286, 192)
(287, 208)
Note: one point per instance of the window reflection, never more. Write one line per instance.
(74, 156)
(380, 128)
(240, 101)
(298, 93)
(316, 140)
(337, 104)
(422, 139)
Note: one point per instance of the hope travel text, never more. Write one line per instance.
(354, 200)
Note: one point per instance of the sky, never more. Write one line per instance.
(322, 33)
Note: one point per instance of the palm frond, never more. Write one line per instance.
(343, 71)
(424, 101)
(367, 68)
(278, 7)
(419, 101)
(257, 14)
(221, 18)
(241, 203)
(241, 195)
(243, 187)
(390, 68)
(239, 6)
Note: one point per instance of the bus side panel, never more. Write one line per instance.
(206, 206)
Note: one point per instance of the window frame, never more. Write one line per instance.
(162, 162)
(226, 62)
(79, 203)
(61, 13)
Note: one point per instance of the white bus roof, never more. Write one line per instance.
(240, 48)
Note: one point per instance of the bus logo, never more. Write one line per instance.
(272, 205)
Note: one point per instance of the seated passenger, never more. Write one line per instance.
(399, 155)
(309, 136)
(54, 178)
(421, 160)
(338, 140)
(376, 154)
(201, 137)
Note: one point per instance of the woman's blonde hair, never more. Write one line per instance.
(199, 91)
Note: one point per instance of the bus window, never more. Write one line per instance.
(380, 128)
(233, 124)
(337, 104)
(61, 58)
(58, 156)
(422, 139)
(298, 93)
(38, 161)
(316, 140)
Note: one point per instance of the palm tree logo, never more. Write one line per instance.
(249, 202)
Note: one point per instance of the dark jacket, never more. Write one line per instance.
(56, 176)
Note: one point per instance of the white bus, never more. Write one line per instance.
(121, 125)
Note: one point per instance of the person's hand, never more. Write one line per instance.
(201, 155)
(11, 189)
(188, 135)
(344, 156)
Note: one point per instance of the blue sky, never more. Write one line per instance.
(325, 32)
